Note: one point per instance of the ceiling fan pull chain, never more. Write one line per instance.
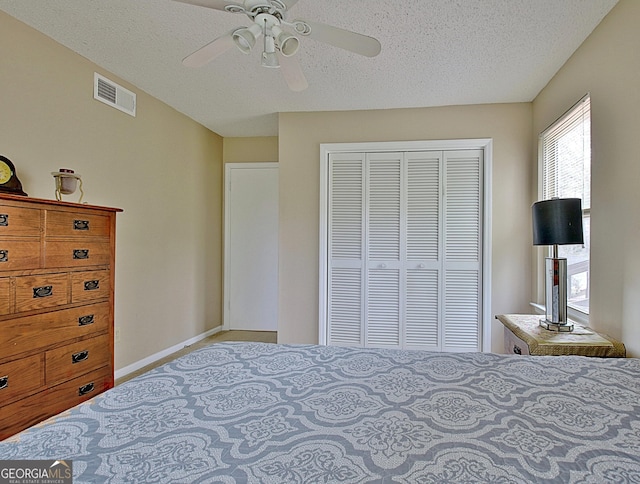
(269, 57)
(264, 34)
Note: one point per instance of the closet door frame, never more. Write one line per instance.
(484, 144)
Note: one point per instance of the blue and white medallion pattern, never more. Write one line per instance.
(262, 413)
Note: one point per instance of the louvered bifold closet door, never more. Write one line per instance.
(463, 250)
(384, 248)
(346, 249)
(405, 250)
(423, 250)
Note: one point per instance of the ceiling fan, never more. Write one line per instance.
(268, 19)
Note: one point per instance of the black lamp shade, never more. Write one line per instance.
(557, 222)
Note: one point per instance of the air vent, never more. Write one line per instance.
(114, 95)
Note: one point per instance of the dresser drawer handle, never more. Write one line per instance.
(80, 356)
(92, 285)
(43, 291)
(4, 382)
(517, 350)
(84, 389)
(80, 225)
(4, 256)
(4, 220)
(81, 253)
(86, 320)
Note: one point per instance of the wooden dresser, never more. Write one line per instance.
(56, 307)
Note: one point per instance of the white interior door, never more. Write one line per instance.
(251, 246)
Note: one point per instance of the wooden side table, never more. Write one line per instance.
(524, 336)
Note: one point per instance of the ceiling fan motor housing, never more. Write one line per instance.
(253, 8)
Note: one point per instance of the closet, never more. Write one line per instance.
(403, 249)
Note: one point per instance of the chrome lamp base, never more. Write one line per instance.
(556, 295)
(560, 328)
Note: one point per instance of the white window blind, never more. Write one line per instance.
(566, 173)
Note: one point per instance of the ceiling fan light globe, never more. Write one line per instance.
(288, 43)
(245, 38)
(244, 44)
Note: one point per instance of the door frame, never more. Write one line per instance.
(484, 144)
(227, 232)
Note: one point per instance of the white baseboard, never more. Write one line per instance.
(161, 354)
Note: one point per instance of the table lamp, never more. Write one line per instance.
(557, 222)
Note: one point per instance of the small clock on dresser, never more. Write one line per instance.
(9, 182)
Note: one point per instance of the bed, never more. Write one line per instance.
(259, 412)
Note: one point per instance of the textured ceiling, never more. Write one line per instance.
(434, 53)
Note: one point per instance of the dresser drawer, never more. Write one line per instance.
(90, 285)
(514, 345)
(41, 331)
(5, 297)
(18, 255)
(20, 377)
(69, 224)
(76, 253)
(36, 408)
(73, 392)
(43, 291)
(19, 221)
(76, 359)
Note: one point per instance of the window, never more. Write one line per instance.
(565, 149)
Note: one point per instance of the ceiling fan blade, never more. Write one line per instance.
(344, 39)
(215, 4)
(292, 73)
(206, 54)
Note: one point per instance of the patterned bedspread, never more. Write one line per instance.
(255, 412)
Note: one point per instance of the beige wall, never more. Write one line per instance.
(163, 169)
(256, 149)
(169, 182)
(607, 65)
(300, 137)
